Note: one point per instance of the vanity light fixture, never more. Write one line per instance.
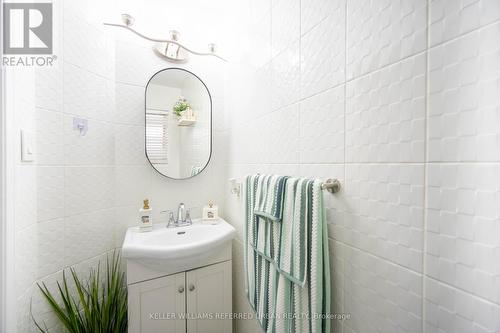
(171, 49)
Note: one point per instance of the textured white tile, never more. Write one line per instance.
(25, 209)
(85, 93)
(131, 69)
(51, 250)
(452, 18)
(133, 184)
(385, 115)
(285, 24)
(322, 127)
(284, 136)
(260, 34)
(84, 44)
(452, 310)
(463, 248)
(26, 259)
(96, 147)
(285, 77)
(384, 211)
(464, 103)
(129, 145)
(130, 104)
(88, 235)
(49, 137)
(126, 216)
(322, 54)
(261, 95)
(380, 296)
(337, 286)
(383, 32)
(50, 193)
(314, 11)
(49, 86)
(88, 189)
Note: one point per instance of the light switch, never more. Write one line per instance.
(27, 146)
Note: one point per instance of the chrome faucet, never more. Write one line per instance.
(181, 213)
(183, 217)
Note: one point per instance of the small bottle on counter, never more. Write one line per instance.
(146, 220)
(210, 214)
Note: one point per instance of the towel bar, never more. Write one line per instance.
(331, 185)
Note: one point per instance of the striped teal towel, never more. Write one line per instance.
(293, 295)
(268, 209)
(269, 197)
(250, 238)
(297, 218)
(308, 301)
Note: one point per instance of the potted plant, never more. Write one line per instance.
(180, 107)
(92, 304)
(185, 115)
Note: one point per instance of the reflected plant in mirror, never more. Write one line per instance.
(178, 123)
(181, 106)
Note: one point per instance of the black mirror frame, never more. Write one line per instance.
(211, 120)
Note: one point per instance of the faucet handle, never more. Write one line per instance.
(171, 218)
(188, 216)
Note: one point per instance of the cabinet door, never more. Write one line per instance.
(209, 294)
(158, 306)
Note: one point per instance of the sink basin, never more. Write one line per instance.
(178, 249)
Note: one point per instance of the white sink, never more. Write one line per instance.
(178, 249)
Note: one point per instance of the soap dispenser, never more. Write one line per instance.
(146, 220)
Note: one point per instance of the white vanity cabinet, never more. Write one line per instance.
(194, 301)
(150, 302)
(179, 279)
(209, 292)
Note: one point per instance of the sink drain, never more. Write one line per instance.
(181, 232)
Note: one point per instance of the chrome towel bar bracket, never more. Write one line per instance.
(331, 185)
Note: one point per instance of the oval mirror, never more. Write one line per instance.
(178, 123)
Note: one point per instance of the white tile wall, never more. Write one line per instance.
(452, 310)
(452, 18)
(74, 204)
(328, 89)
(410, 129)
(129, 99)
(463, 226)
(322, 127)
(322, 61)
(285, 77)
(383, 32)
(387, 297)
(285, 24)
(464, 104)
(49, 134)
(384, 214)
(385, 114)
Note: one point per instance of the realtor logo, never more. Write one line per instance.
(27, 28)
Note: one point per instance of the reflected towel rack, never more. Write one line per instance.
(331, 185)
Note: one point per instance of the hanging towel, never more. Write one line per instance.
(309, 304)
(268, 210)
(297, 218)
(269, 197)
(250, 238)
(293, 296)
(195, 170)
